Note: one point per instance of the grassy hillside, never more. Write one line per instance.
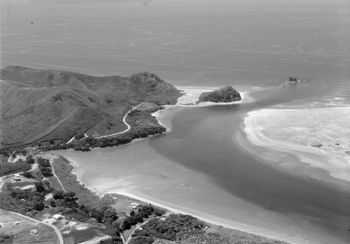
(47, 105)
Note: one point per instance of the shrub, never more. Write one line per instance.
(44, 162)
(142, 240)
(159, 212)
(27, 174)
(30, 159)
(79, 136)
(52, 203)
(109, 215)
(40, 187)
(46, 171)
(38, 206)
(57, 194)
(174, 227)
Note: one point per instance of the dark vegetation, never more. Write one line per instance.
(224, 94)
(45, 167)
(175, 227)
(142, 240)
(90, 142)
(138, 216)
(142, 122)
(79, 136)
(24, 201)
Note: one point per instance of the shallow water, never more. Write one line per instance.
(202, 139)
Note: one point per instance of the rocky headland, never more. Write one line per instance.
(222, 95)
(46, 108)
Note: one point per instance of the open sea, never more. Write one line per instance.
(204, 166)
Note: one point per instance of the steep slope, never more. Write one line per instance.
(52, 105)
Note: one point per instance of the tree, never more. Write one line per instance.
(38, 205)
(52, 203)
(40, 187)
(109, 215)
(70, 200)
(80, 135)
(125, 225)
(30, 159)
(44, 162)
(57, 194)
(46, 171)
(96, 214)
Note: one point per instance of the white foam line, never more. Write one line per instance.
(191, 102)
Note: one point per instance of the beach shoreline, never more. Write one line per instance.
(175, 209)
(130, 192)
(189, 100)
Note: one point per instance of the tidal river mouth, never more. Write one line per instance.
(208, 168)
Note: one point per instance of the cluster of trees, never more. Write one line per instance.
(143, 125)
(32, 201)
(173, 228)
(12, 151)
(90, 142)
(30, 159)
(64, 199)
(137, 216)
(142, 240)
(45, 167)
(67, 202)
(224, 94)
(24, 201)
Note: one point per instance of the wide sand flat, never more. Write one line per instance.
(319, 137)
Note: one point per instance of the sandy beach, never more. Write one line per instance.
(319, 137)
(127, 186)
(189, 99)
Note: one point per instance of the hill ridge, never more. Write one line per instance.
(40, 102)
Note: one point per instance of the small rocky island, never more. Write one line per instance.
(225, 94)
(292, 80)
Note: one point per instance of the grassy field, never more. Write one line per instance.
(220, 235)
(63, 171)
(25, 231)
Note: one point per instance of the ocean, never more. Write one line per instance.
(204, 42)
(206, 166)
